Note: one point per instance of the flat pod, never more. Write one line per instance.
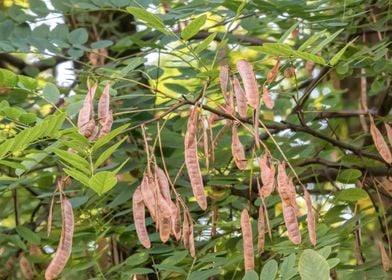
(163, 182)
(237, 149)
(176, 223)
(261, 230)
(386, 264)
(64, 249)
(291, 222)
(107, 125)
(25, 267)
(104, 105)
(271, 76)
(240, 98)
(247, 241)
(388, 129)
(186, 231)
(87, 110)
(269, 103)
(248, 77)
(139, 218)
(192, 161)
(148, 190)
(380, 143)
(310, 218)
(267, 174)
(224, 79)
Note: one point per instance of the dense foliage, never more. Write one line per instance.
(157, 60)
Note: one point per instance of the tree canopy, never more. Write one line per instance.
(195, 139)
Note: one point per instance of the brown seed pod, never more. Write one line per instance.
(164, 228)
(245, 69)
(267, 174)
(289, 72)
(309, 67)
(148, 190)
(310, 218)
(224, 79)
(139, 218)
(388, 129)
(162, 182)
(87, 111)
(247, 237)
(237, 149)
(107, 125)
(176, 223)
(271, 76)
(192, 161)
(240, 98)
(261, 230)
(104, 105)
(89, 129)
(269, 103)
(64, 249)
(380, 143)
(203, 123)
(192, 249)
(25, 267)
(386, 264)
(186, 230)
(290, 220)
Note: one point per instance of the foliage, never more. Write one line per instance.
(161, 58)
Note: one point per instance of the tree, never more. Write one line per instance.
(195, 139)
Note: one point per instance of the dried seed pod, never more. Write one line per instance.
(224, 79)
(162, 182)
(388, 128)
(25, 267)
(285, 186)
(240, 98)
(64, 249)
(107, 125)
(104, 105)
(148, 190)
(310, 218)
(267, 174)
(384, 256)
(261, 230)
(89, 129)
(205, 143)
(192, 162)
(87, 111)
(192, 249)
(247, 237)
(309, 67)
(186, 230)
(103, 249)
(165, 212)
(245, 69)
(289, 72)
(139, 217)
(291, 222)
(237, 149)
(271, 76)
(176, 223)
(380, 143)
(269, 103)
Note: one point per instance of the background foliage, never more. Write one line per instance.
(159, 55)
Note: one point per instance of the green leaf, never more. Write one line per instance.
(311, 40)
(287, 269)
(269, 270)
(104, 140)
(101, 44)
(349, 176)
(326, 41)
(28, 118)
(205, 43)
(288, 32)
(74, 160)
(107, 153)
(102, 182)
(333, 262)
(335, 59)
(194, 27)
(77, 175)
(353, 194)
(12, 164)
(203, 274)
(276, 49)
(251, 275)
(325, 251)
(313, 266)
(151, 20)
(51, 93)
(78, 36)
(28, 235)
